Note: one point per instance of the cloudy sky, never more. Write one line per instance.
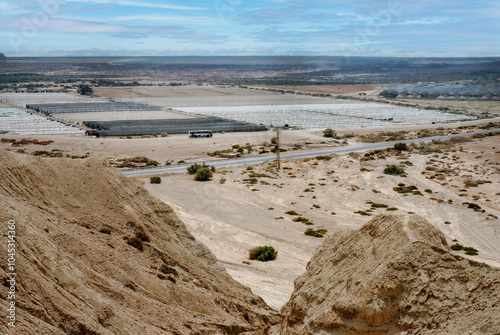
(400, 28)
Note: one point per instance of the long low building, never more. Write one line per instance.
(170, 126)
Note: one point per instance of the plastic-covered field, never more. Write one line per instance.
(320, 116)
(170, 126)
(17, 121)
(21, 99)
(85, 107)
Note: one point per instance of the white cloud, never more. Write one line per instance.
(429, 21)
(137, 4)
(203, 20)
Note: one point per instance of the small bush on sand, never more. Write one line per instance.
(470, 251)
(395, 170)
(201, 172)
(400, 147)
(155, 180)
(315, 233)
(292, 213)
(263, 253)
(329, 132)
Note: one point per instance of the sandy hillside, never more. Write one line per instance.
(96, 254)
(249, 208)
(394, 275)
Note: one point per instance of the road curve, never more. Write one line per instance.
(219, 163)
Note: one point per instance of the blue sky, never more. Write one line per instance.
(399, 28)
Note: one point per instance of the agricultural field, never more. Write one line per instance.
(17, 121)
(338, 115)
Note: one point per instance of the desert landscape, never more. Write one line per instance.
(384, 212)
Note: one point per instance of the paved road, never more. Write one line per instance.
(219, 163)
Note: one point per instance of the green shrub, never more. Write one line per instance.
(362, 213)
(470, 251)
(164, 135)
(394, 170)
(292, 213)
(375, 205)
(263, 253)
(324, 158)
(201, 172)
(400, 146)
(155, 180)
(315, 233)
(456, 247)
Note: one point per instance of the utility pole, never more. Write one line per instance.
(278, 151)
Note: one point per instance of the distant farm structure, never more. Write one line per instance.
(443, 92)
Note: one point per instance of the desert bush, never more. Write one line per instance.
(292, 213)
(394, 170)
(263, 253)
(164, 135)
(456, 247)
(470, 251)
(203, 174)
(222, 181)
(400, 147)
(470, 183)
(362, 213)
(375, 205)
(324, 158)
(155, 180)
(315, 233)
(329, 132)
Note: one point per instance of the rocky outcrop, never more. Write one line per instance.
(96, 254)
(396, 274)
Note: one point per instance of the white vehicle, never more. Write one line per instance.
(200, 133)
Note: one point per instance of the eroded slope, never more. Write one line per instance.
(395, 274)
(78, 275)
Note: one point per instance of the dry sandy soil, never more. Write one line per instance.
(232, 217)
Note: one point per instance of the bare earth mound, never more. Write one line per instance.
(80, 267)
(395, 274)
